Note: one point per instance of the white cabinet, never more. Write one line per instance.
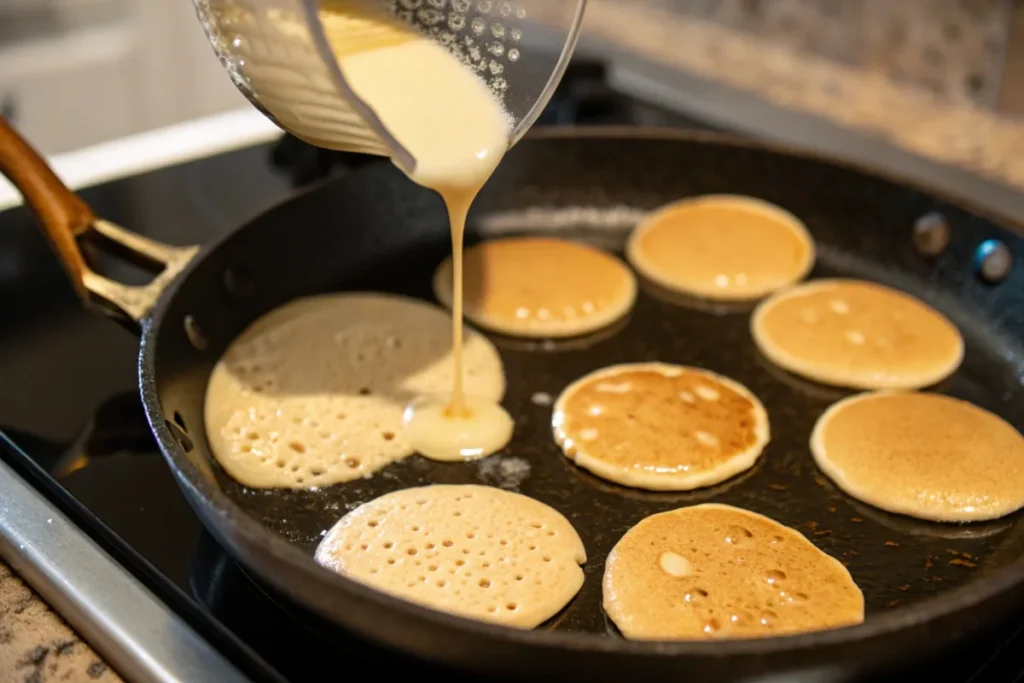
(78, 72)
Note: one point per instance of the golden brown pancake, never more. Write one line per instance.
(660, 427)
(540, 287)
(723, 247)
(313, 393)
(857, 334)
(925, 455)
(474, 551)
(716, 571)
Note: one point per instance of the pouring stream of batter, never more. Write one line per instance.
(457, 131)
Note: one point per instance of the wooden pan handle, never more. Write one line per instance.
(59, 211)
(64, 218)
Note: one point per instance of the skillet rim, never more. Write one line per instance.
(942, 605)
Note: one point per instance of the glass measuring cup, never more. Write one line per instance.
(283, 55)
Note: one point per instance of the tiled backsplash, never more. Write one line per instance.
(952, 48)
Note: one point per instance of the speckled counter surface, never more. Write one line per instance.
(36, 646)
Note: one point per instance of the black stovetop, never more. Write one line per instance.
(69, 400)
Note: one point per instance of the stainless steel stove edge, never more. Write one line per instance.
(141, 637)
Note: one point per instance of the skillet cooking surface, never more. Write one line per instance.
(384, 234)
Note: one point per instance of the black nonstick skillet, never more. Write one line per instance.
(926, 585)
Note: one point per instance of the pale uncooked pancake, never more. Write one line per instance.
(660, 427)
(474, 551)
(857, 334)
(313, 392)
(924, 455)
(540, 287)
(716, 571)
(724, 247)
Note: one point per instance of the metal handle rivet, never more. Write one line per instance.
(180, 436)
(931, 234)
(237, 283)
(993, 261)
(194, 334)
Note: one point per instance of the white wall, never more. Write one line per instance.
(146, 64)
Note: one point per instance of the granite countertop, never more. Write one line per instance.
(36, 646)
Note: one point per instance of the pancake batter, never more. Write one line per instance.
(474, 551)
(313, 393)
(457, 131)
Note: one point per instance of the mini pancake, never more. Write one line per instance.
(660, 427)
(540, 287)
(721, 247)
(925, 455)
(857, 334)
(313, 393)
(716, 571)
(473, 551)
